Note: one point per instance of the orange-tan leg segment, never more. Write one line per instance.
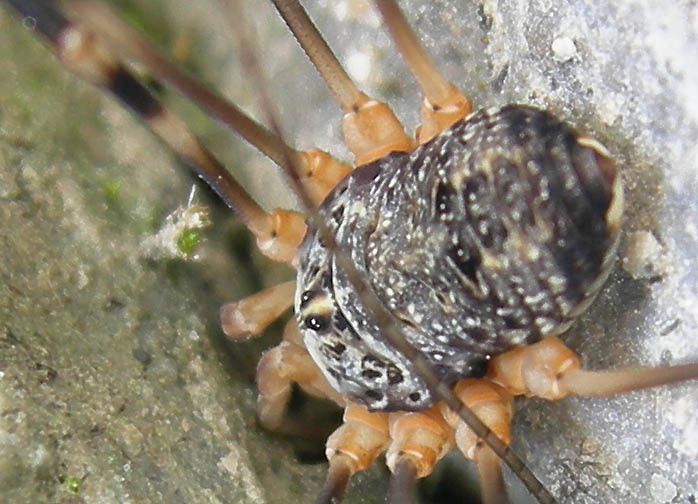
(319, 173)
(351, 448)
(279, 233)
(550, 370)
(495, 407)
(418, 440)
(421, 437)
(443, 103)
(277, 370)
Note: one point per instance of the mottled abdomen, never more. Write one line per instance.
(495, 233)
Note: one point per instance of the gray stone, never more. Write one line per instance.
(116, 384)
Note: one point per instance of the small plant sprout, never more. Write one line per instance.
(180, 234)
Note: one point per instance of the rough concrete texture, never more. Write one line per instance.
(115, 382)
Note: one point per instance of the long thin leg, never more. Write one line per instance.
(339, 473)
(402, 482)
(371, 130)
(318, 171)
(443, 103)
(83, 52)
(550, 370)
(489, 470)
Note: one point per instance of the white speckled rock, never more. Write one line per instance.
(112, 369)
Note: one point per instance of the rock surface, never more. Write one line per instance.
(116, 384)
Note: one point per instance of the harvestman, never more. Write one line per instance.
(279, 232)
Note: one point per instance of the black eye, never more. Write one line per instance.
(316, 323)
(307, 296)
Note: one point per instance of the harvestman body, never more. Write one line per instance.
(501, 229)
(467, 244)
